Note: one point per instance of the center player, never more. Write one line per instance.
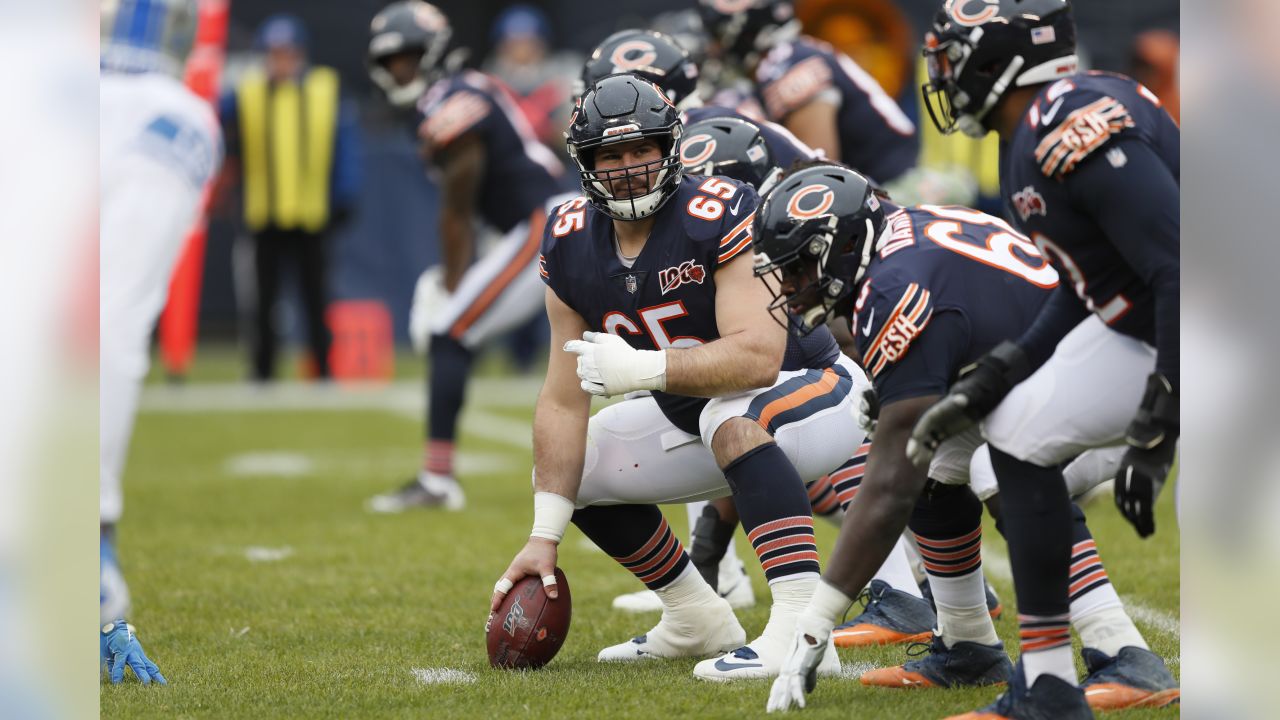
(650, 287)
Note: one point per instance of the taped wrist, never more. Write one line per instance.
(711, 538)
(1157, 417)
(826, 606)
(551, 514)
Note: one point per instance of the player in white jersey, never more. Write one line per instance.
(159, 148)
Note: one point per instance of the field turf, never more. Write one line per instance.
(263, 589)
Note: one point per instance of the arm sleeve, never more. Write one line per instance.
(1060, 313)
(934, 360)
(344, 186)
(1136, 205)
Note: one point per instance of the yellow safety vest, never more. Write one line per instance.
(943, 152)
(287, 136)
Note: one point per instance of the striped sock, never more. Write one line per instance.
(1097, 613)
(639, 538)
(437, 457)
(951, 557)
(846, 480)
(1046, 647)
(823, 498)
(1089, 585)
(786, 548)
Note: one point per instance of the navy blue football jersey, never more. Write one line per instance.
(520, 173)
(667, 298)
(876, 136)
(1072, 125)
(783, 146)
(946, 285)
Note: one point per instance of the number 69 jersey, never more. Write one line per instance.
(946, 285)
(667, 298)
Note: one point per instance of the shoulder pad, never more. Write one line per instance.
(794, 79)
(889, 318)
(1071, 122)
(718, 210)
(450, 110)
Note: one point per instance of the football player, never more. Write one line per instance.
(1090, 172)
(491, 168)
(817, 92)
(160, 146)
(663, 61)
(649, 288)
(895, 610)
(925, 280)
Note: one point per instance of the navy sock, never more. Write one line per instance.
(638, 537)
(447, 371)
(775, 512)
(947, 524)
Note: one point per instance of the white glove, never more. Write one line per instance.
(429, 297)
(800, 669)
(608, 366)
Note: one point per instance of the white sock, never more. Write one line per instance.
(1107, 629)
(896, 570)
(962, 609)
(791, 596)
(1054, 661)
(687, 589)
(827, 604)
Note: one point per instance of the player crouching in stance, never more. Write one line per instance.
(920, 283)
(650, 288)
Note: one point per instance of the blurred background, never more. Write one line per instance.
(537, 49)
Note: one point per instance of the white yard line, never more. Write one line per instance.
(437, 676)
(405, 399)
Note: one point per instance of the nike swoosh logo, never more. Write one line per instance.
(723, 666)
(734, 209)
(1048, 117)
(866, 329)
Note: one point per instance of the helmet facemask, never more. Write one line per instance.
(660, 176)
(817, 273)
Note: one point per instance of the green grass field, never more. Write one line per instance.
(263, 589)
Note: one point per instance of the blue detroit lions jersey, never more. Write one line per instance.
(943, 266)
(520, 173)
(1078, 120)
(784, 147)
(876, 136)
(667, 298)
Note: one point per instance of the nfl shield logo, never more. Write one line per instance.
(630, 283)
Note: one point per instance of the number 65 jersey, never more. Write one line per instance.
(667, 297)
(945, 285)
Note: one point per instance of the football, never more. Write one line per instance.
(528, 628)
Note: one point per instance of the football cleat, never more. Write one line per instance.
(762, 658)
(701, 631)
(1134, 678)
(994, 606)
(424, 491)
(1050, 698)
(965, 664)
(889, 616)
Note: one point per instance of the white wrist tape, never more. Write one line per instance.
(551, 514)
(826, 605)
(650, 370)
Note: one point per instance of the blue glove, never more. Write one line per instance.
(120, 647)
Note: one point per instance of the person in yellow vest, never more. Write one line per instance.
(292, 140)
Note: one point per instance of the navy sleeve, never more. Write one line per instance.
(1136, 204)
(1060, 313)
(931, 365)
(344, 186)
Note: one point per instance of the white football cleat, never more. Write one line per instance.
(640, 601)
(424, 491)
(762, 658)
(695, 623)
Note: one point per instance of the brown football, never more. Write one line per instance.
(529, 628)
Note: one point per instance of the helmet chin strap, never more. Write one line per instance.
(971, 123)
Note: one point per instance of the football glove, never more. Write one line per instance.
(970, 399)
(119, 646)
(1153, 442)
(799, 673)
(869, 412)
(429, 298)
(608, 366)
